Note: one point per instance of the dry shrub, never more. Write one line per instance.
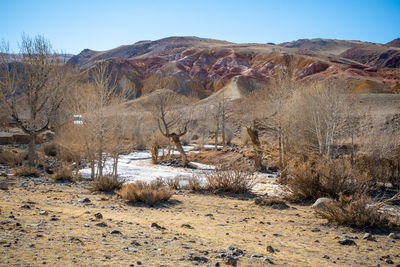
(63, 173)
(27, 171)
(106, 183)
(231, 179)
(313, 179)
(173, 183)
(355, 211)
(195, 184)
(11, 156)
(274, 203)
(51, 149)
(149, 193)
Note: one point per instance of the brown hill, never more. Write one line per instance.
(394, 43)
(375, 55)
(201, 67)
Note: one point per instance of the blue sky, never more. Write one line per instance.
(72, 26)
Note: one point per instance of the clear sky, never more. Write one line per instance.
(73, 25)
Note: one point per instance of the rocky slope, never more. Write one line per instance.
(198, 66)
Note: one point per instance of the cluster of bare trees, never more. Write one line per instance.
(33, 85)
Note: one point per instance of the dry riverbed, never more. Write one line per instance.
(42, 222)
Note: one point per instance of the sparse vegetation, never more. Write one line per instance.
(11, 156)
(355, 211)
(63, 173)
(106, 183)
(149, 193)
(27, 171)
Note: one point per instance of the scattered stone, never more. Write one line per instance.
(98, 216)
(270, 249)
(198, 259)
(268, 260)
(54, 219)
(131, 249)
(3, 185)
(369, 237)
(394, 236)
(209, 215)
(155, 225)
(101, 224)
(257, 256)
(135, 243)
(347, 242)
(84, 200)
(43, 212)
(188, 226)
(326, 257)
(25, 206)
(347, 237)
(314, 230)
(217, 264)
(231, 260)
(321, 202)
(115, 232)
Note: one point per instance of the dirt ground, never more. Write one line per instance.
(42, 222)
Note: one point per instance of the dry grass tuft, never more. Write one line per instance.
(173, 183)
(106, 183)
(274, 203)
(11, 156)
(195, 184)
(314, 179)
(360, 211)
(27, 171)
(149, 193)
(63, 173)
(231, 179)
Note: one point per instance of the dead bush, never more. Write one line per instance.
(11, 156)
(231, 179)
(63, 173)
(27, 171)
(317, 178)
(149, 193)
(195, 184)
(51, 149)
(355, 211)
(274, 203)
(173, 183)
(106, 183)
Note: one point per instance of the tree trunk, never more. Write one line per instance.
(178, 145)
(92, 166)
(100, 157)
(32, 149)
(216, 136)
(253, 134)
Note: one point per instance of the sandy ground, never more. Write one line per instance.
(65, 234)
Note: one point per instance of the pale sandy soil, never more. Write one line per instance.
(28, 238)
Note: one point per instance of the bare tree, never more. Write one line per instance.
(32, 88)
(169, 109)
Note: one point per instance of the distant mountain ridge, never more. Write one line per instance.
(205, 66)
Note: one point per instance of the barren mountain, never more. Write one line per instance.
(198, 66)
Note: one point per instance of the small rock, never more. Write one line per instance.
(321, 202)
(115, 232)
(54, 219)
(268, 260)
(199, 259)
(43, 212)
(270, 249)
(98, 216)
(131, 249)
(25, 206)
(230, 260)
(217, 264)
(135, 243)
(101, 224)
(257, 256)
(155, 225)
(369, 237)
(394, 236)
(84, 200)
(326, 257)
(209, 215)
(188, 226)
(347, 242)
(314, 230)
